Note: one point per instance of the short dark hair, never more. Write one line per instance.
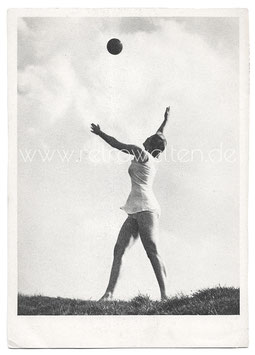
(158, 144)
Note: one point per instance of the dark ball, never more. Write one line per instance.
(114, 46)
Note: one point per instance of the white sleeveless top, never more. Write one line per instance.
(141, 197)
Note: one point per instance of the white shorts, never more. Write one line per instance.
(134, 215)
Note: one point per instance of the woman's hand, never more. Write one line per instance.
(95, 128)
(167, 113)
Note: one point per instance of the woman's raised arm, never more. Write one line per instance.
(139, 154)
(167, 113)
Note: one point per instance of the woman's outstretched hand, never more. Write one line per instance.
(95, 128)
(167, 112)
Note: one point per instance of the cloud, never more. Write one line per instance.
(48, 89)
(137, 24)
(126, 93)
(220, 32)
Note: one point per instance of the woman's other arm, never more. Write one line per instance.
(162, 126)
(139, 154)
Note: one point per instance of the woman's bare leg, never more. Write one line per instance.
(127, 236)
(148, 229)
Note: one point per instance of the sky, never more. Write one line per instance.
(69, 211)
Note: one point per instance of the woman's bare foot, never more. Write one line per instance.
(106, 297)
(164, 298)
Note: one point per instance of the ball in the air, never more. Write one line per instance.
(114, 46)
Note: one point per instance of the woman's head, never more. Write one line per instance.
(155, 144)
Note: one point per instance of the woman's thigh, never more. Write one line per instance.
(128, 234)
(148, 228)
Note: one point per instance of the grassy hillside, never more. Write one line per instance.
(213, 301)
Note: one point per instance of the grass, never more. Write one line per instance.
(211, 301)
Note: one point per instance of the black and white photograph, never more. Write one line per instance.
(130, 153)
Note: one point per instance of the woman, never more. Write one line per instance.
(142, 207)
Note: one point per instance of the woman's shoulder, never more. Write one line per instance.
(143, 156)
